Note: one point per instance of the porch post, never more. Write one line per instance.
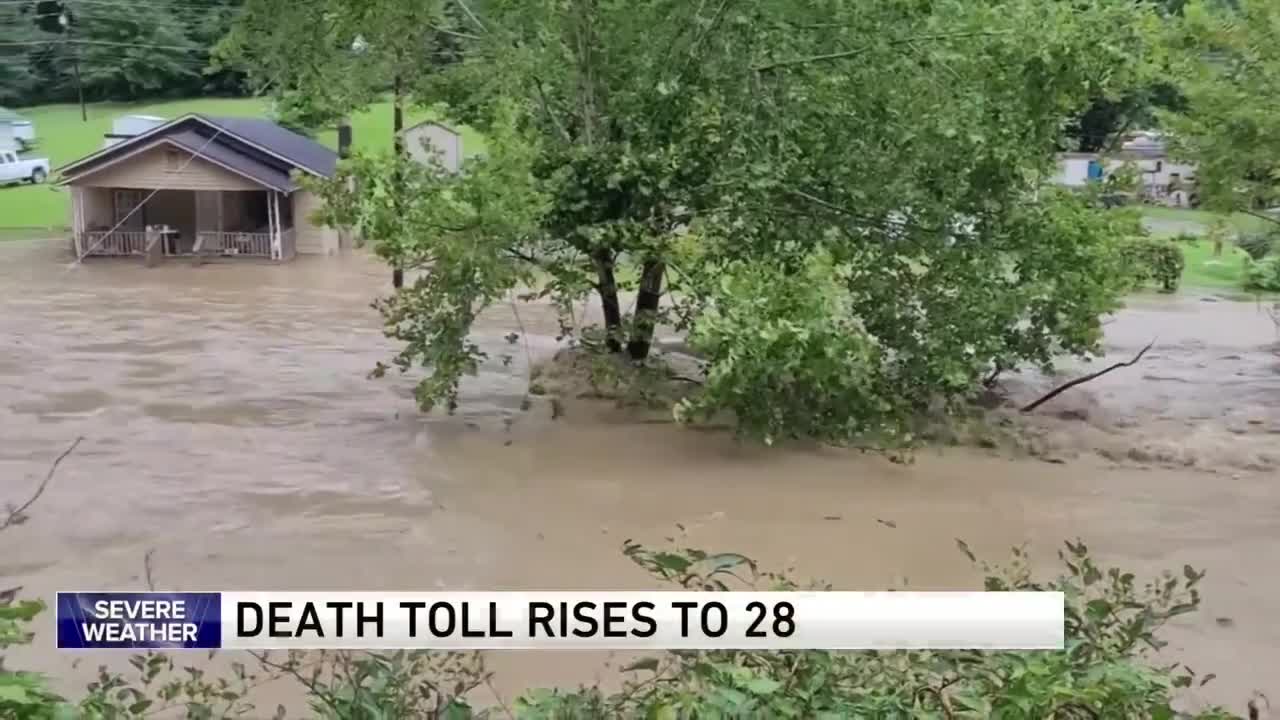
(277, 238)
(271, 222)
(77, 212)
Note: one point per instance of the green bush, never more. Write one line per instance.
(1258, 245)
(1263, 274)
(1106, 672)
(1154, 260)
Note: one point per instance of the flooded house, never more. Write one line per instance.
(199, 186)
(1163, 178)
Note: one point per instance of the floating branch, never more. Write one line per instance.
(1082, 380)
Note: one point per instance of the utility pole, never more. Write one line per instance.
(84, 114)
(65, 22)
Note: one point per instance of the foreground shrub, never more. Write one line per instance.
(1106, 671)
(1258, 245)
(1154, 260)
(1263, 275)
(1112, 624)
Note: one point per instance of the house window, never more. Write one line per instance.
(172, 160)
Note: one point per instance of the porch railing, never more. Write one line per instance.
(234, 243)
(134, 242)
(118, 242)
(244, 243)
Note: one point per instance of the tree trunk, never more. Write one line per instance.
(608, 289)
(646, 310)
(344, 138)
(397, 125)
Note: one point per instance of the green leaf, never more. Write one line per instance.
(762, 686)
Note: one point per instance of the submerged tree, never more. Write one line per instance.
(839, 203)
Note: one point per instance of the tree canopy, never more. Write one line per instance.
(125, 51)
(1232, 81)
(840, 204)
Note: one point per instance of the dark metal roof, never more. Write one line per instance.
(215, 149)
(298, 149)
(258, 149)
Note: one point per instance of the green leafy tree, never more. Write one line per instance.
(1232, 82)
(131, 55)
(16, 75)
(206, 26)
(322, 61)
(836, 202)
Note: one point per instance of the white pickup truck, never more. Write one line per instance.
(14, 169)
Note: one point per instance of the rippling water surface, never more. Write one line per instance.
(229, 426)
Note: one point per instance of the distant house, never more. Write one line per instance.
(428, 140)
(203, 186)
(1165, 181)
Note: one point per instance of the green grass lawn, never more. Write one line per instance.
(64, 137)
(1203, 270)
(1206, 271)
(1240, 222)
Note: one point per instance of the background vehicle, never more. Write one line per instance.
(14, 169)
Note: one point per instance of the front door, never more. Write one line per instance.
(128, 209)
(209, 211)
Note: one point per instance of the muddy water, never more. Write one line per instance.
(229, 427)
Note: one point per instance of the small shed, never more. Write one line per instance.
(428, 140)
(16, 132)
(128, 126)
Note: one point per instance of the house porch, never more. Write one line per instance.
(113, 221)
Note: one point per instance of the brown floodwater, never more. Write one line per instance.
(231, 430)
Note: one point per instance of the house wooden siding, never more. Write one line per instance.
(311, 239)
(158, 168)
(93, 204)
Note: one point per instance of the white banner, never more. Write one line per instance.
(643, 620)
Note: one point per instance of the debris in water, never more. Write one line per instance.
(832, 517)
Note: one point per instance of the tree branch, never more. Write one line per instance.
(1262, 216)
(866, 48)
(546, 109)
(454, 33)
(1082, 380)
(17, 515)
(467, 9)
